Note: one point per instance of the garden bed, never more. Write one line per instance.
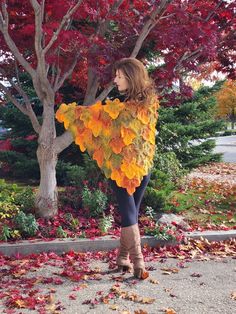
(206, 203)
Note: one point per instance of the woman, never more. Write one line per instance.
(120, 136)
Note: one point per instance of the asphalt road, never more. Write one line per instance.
(227, 146)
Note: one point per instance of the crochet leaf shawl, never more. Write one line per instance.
(120, 136)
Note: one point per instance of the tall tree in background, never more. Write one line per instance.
(226, 100)
(74, 43)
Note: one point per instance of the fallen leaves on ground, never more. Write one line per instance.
(22, 288)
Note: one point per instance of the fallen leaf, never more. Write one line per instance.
(169, 271)
(196, 275)
(114, 307)
(154, 281)
(233, 295)
(72, 296)
(170, 311)
(145, 275)
(147, 300)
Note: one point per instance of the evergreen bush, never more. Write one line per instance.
(94, 200)
(26, 224)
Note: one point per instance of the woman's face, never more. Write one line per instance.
(121, 81)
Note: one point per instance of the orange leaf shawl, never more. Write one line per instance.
(120, 136)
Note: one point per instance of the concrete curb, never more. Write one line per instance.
(99, 244)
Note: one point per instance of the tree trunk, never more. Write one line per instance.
(46, 197)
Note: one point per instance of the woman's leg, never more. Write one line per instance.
(130, 241)
(139, 192)
(126, 205)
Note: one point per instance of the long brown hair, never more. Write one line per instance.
(141, 87)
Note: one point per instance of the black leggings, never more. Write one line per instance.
(129, 204)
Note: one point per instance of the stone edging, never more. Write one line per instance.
(99, 244)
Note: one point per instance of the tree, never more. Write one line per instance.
(68, 43)
(185, 129)
(226, 99)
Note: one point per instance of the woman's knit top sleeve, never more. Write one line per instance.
(120, 136)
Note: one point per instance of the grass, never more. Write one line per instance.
(204, 207)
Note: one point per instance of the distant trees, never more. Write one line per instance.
(226, 100)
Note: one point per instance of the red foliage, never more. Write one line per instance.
(187, 35)
(5, 145)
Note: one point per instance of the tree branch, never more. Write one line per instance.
(13, 99)
(93, 81)
(192, 55)
(64, 20)
(59, 82)
(152, 21)
(27, 109)
(63, 141)
(4, 18)
(105, 92)
(213, 12)
(148, 26)
(38, 28)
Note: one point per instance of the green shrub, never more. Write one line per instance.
(95, 201)
(25, 199)
(155, 199)
(20, 165)
(7, 191)
(26, 224)
(5, 233)
(61, 233)
(164, 232)
(105, 223)
(8, 210)
(168, 163)
(158, 190)
(76, 175)
(160, 180)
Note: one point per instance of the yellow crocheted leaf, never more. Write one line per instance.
(107, 168)
(117, 144)
(148, 135)
(61, 111)
(113, 108)
(115, 161)
(95, 126)
(66, 114)
(80, 141)
(117, 175)
(96, 109)
(131, 170)
(107, 151)
(136, 126)
(127, 135)
(130, 184)
(85, 116)
(98, 155)
(143, 115)
(106, 124)
(129, 153)
(78, 111)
